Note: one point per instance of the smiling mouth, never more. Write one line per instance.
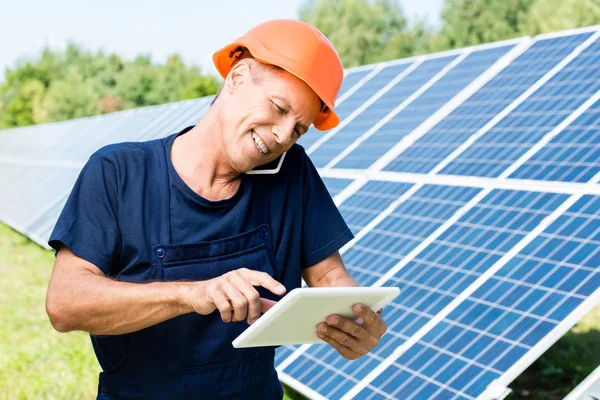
(262, 148)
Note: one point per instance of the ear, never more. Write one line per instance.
(239, 73)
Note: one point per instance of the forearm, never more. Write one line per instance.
(338, 277)
(102, 306)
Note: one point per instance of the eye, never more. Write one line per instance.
(278, 109)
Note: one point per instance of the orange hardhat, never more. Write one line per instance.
(299, 48)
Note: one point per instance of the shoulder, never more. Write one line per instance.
(120, 163)
(117, 153)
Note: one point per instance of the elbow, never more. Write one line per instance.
(58, 314)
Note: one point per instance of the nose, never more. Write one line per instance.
(284, 131)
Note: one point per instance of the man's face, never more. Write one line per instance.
(264, 119)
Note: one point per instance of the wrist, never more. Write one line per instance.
(184, 294)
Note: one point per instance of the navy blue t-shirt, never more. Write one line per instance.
(106, 220)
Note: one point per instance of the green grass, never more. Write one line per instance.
(36, 362)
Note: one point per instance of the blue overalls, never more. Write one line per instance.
(191, 356)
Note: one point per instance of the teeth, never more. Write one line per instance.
(259, 143)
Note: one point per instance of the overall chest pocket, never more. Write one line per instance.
(197, 343)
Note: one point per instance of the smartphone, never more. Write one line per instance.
(269, 168)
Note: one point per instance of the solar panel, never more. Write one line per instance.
(470, 180)
(509, 314)
(369, 83)
(486, 104)
(542, 111)
(401, 83)
(442, 90)
(442, 270)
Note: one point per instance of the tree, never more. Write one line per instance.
(76, 83)
(554, 15)
(201, 86)
(72, 97)
(20, 110)
(472, 22)
(359, 29)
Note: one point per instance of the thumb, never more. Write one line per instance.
(266, 304)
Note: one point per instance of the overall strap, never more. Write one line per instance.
(157, 186)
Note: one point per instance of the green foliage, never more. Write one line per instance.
(360, 30)
(200, 87)
(471, 22)
(555, 15)
(24, 99)
(68, 98)
(76, 83)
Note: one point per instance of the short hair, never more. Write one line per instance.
(259, 71)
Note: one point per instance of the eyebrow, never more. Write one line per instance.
(289, 106)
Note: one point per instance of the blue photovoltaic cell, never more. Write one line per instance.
(336, 185)
(423, 107)
(572, 156)
(485, 104)
(376, 253)
(506, 316)
(498, 148)
(379, 109)
(366, 204)
(351, 79)
(283, 352)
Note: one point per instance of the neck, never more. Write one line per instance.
(199, 159)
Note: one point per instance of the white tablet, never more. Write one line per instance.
(294, 319)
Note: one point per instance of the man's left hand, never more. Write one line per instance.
(353, 339)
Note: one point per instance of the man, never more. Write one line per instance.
(167, 249)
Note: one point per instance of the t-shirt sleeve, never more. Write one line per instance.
(324, 230)
(88, 223)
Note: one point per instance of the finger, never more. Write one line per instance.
(342, 338)
(239, 302)
(343, 350)
(266, 304)
(347, 325)
(258, 278)
(222, 304)
(251, 295)
(372, 320)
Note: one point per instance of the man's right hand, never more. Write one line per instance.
(234, 295)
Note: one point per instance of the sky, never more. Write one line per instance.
(193, 29)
